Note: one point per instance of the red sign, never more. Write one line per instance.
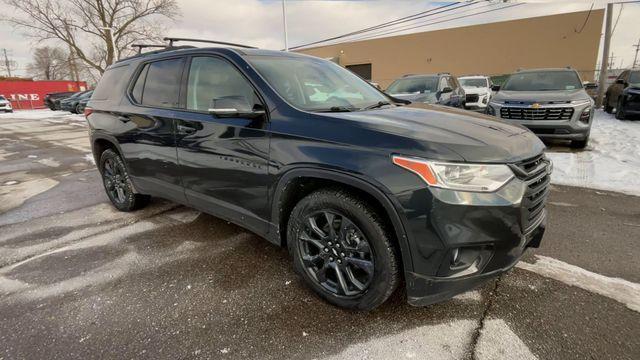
(30, 94)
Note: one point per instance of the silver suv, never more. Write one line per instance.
(550, 102)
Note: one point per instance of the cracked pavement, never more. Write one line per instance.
(80, 280)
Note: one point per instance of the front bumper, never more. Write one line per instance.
(574, 128)
(458, 239)
(427, 290)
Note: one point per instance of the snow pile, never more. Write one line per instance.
(41, 114)
(611, 161)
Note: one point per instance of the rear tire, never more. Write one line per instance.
(117, 183)
(77, 111)
(352, 264)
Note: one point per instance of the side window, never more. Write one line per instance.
(110, 83)
(624, 75)
(162, 83)
(136, 93)
(443, 83)
(211, 79)
(453, 83)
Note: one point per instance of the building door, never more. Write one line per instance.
(362, 70)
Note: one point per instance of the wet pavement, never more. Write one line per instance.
(81, 280)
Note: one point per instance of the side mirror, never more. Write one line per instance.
(446, 90)
(590, 86)
(620, 81)
(495, 87)
(235, 106)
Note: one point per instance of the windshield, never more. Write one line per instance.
(414, 85)
(2, 97)
(543, 81)
(316, 85)
(634, 77)
(474, 82)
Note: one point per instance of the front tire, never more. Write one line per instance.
(607, 108)
(620, 115)
(342, 249)
(117, 183)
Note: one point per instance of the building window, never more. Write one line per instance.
(362, 70)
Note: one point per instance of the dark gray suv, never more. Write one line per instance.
(552, 103)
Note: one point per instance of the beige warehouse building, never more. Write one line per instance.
(497, 48)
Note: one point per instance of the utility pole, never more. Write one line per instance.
(605, 55)
(284, 24)
(635, 58)
(6, 62)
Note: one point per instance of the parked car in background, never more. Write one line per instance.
(52, 101)
(366, 193)
(550, 102)
(441, 89)
(69, 103)
(477, 89)
(82, 104)
(5, 105)
(624, 95)
(72, 104)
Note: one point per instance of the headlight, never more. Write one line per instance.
(457, 176)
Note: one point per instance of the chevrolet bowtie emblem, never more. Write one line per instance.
(536, 105)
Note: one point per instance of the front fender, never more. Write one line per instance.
(370, 186)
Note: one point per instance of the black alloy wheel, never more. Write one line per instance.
(117, 183)
(336, 253)
(343, 249)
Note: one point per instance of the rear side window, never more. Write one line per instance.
(161, 84)
(109, 83)
(136, 93)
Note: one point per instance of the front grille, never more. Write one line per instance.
(551, 113)
(471, 98)
(534, 172)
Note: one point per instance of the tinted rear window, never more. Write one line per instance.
(109, 83)
(162, 84)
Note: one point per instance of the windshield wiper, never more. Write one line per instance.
(379, 104)
(337, 109)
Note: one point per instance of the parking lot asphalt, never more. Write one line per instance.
(81, 280)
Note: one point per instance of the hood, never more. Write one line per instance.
(429, 98)
(554, 96)
(634, 86)
(474, 137)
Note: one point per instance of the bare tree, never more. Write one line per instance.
(49, 63)
(7, 65)
(97, 32)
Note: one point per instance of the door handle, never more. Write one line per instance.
(183, 129)
(124, 119)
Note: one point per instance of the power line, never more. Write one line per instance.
(426, 13)
(617, 19)
(585, 20)
(369, 36)
(441, 21)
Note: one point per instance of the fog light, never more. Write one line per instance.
(465, 261)
(584, 117)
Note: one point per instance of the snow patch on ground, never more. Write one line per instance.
(497, 341)
(41, 114)
(617, 289)
(611, 161)
(442, 341)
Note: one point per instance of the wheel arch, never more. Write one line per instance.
(299, 182)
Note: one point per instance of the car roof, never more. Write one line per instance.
(545, 69)
(473, 77)
(417, 76)
(159, 54)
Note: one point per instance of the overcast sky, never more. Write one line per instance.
(259, 22)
